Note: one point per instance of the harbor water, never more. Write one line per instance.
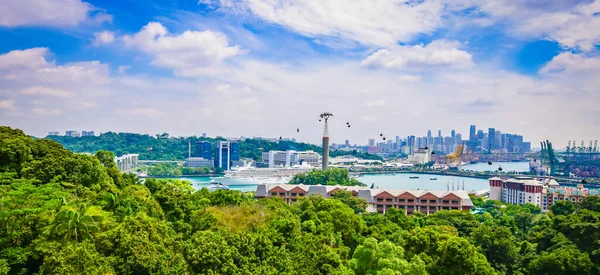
(506, 167)
(392, 181)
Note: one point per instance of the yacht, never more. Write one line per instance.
(217, 186)
(413, 177)
(432, 178)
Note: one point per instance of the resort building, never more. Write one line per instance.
(542, 192)
(379, 200)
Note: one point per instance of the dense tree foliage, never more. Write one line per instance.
(173, 169)
(162, 147)
(64, 213)
(331, 176)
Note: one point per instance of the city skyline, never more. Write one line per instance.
(456, 138)
(268, 68)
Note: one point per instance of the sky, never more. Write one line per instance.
(270, 67)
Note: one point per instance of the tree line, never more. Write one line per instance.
(67, 213)
(176, 148)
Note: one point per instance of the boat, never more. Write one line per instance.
(413, 177)
(432, 178)
(248, 175)
(217, 186)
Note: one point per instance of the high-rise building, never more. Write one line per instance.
(429, 138)
(347, 143)
(453, 136)
(226, 153)
(480, 134)
(411, 145)
(234, 148)
(371, 142)
(53, 134)
(204, 135)
(491, 139)
(204, 150)
(87, 133)
(72, 134)
(439, 133)
(472, 133)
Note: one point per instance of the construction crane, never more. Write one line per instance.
(454, 159)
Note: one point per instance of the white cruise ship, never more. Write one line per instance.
(254, 175)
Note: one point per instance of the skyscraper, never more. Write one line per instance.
(234, 150)
(429, 138)
(204, 150)
(453, 136)
(472, 133)
(411, 145)
(371, 142)
(223, 155)
(491, 139)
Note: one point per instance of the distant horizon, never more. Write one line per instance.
(365, 143)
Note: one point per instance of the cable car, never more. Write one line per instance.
(489, 163)
(500, 168)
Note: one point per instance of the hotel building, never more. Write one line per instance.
(379, 200)
(542, 192)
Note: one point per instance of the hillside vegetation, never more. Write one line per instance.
(154, 148)
(66, 213)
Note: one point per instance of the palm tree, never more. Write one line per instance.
(77, 225)
(119, 205)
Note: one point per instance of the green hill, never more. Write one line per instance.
(155, 148)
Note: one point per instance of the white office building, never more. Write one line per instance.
(198, 162)
(420, 156)
(72, 134)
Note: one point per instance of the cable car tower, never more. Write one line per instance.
(325, 117)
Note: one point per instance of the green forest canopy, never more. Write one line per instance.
(66, 213)
(177, 148)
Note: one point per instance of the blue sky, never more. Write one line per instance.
(268, 67)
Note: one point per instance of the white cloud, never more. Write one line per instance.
(46, 111)
(570, 64)
(369, 22)
(104, 37)
(190, 53)
(46, 91)
(439, 53)
(37, 84)
(24, 66)
(123, 69)
(376, 103)
(409, 78)
(8, 104)
(573, 24)
(55, 13)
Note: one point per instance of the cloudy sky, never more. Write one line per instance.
(269, 67)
